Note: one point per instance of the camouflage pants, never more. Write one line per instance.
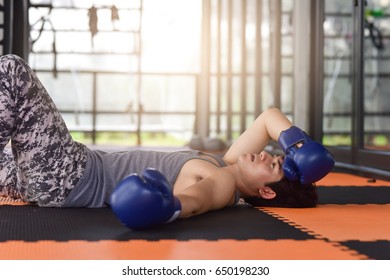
(45, 163)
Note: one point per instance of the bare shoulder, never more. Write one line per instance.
(201, 192)
(196, 170)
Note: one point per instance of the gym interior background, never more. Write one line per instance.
(163, 72)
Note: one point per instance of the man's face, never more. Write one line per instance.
(258, 170)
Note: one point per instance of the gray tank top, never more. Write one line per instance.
(104, 170)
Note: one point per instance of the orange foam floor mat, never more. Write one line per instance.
(351, 222)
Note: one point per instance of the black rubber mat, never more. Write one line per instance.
(351, 222)
(354, 195)
(31, 223)
(378, 250)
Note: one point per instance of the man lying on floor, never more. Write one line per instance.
(50, 169)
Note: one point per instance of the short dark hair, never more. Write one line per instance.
(290, 194)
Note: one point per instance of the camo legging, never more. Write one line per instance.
(45, 163)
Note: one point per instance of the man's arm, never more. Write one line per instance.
(145, 200)
(267, 126)
(214, 192)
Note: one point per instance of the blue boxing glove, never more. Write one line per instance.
(144, 201)
(307, 163)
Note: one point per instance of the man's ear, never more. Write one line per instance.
(266, 192)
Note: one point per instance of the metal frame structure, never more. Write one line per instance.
(15, 27)
(7, 10)
(316, 63)
(356, 157)
(237, 121)
(203, 112)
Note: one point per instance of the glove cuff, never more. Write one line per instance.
(177, 209)
(292, 136)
